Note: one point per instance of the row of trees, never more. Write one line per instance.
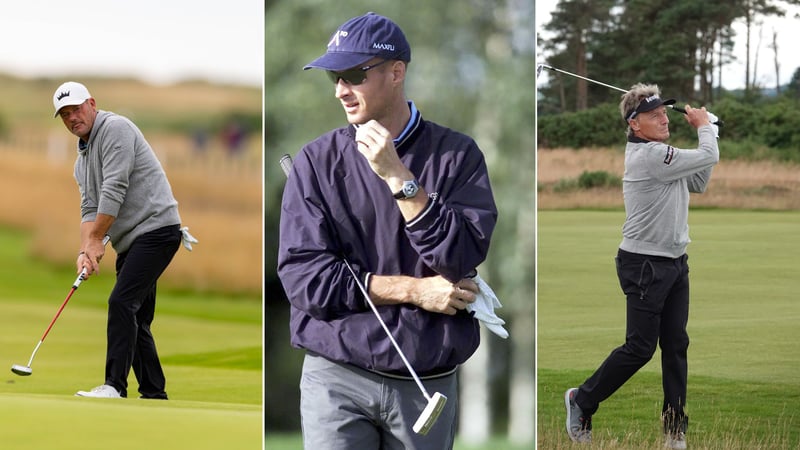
(682, 45)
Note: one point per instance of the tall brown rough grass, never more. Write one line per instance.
(219, 200)
(734, 184)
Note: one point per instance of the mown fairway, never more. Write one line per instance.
(210, 347)
(743, 357)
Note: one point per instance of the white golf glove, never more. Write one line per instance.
(713, 119)
(187, 238)
(483, 308)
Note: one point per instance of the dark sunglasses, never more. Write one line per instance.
(353, 76)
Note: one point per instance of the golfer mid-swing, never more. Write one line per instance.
(651, 261)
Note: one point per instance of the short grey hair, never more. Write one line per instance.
(631, 99)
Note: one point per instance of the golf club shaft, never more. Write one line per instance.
(554, 69)
(578, 76)
(52, 322)
(386, 329)
(35, 349)
(81, 277)
(286, 165)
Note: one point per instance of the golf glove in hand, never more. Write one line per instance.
(713, 119)
(483, 308)
(187, 238)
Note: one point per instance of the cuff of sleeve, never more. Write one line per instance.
(109, 209)
(367, 278)
(421, 216)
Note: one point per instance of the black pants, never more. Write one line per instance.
(131, 307)
(657, 292)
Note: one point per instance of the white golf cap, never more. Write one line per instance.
(69, 94)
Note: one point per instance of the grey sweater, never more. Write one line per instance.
(119, 175)
(656, 185)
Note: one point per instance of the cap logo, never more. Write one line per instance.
(62, 95)
(336, 36)
(380, 46)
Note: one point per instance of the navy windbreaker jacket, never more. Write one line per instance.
(335, 206)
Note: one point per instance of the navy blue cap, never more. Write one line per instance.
(648, 104)
(360, 39)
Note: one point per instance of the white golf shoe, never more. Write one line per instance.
(104, 391)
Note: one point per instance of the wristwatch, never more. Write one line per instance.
(409, 190)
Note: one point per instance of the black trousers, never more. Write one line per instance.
(131, 308)
(657, 293)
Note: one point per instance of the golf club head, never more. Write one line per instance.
(22, 371)
(429, 415)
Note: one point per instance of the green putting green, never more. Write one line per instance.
(210, 346)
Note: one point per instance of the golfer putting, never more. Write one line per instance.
(126, 196)
(391, 212)
(652, 265)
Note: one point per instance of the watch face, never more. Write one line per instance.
(410, 189)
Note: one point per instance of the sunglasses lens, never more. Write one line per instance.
(353, 77)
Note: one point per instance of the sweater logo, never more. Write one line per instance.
(670, 154)
(62, 95)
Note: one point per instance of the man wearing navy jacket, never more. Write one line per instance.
(408, 203)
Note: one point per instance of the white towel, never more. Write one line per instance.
(187, 238)
(483, 308)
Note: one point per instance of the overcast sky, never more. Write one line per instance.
(788, 29)
(158, 41)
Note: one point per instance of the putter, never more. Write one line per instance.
(27, 370)
(539, 68)
(436, 402)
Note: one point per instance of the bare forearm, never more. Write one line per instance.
(92, 248)
(410, 208)
(391, 289)
(434, 294)
(94, 231)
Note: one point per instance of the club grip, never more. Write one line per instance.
(80, 279)
(286, 165)
(679, 109)
(718, 123)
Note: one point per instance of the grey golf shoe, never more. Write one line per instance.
(674, 430)
(675, 440)
(579, 426)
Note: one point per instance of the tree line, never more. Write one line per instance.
(681, 45)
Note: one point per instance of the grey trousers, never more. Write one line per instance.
(344, 408)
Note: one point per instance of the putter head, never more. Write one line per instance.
(22, 371)
(429, 415)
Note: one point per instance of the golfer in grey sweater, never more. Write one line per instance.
(651, 262)
(125, 195)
